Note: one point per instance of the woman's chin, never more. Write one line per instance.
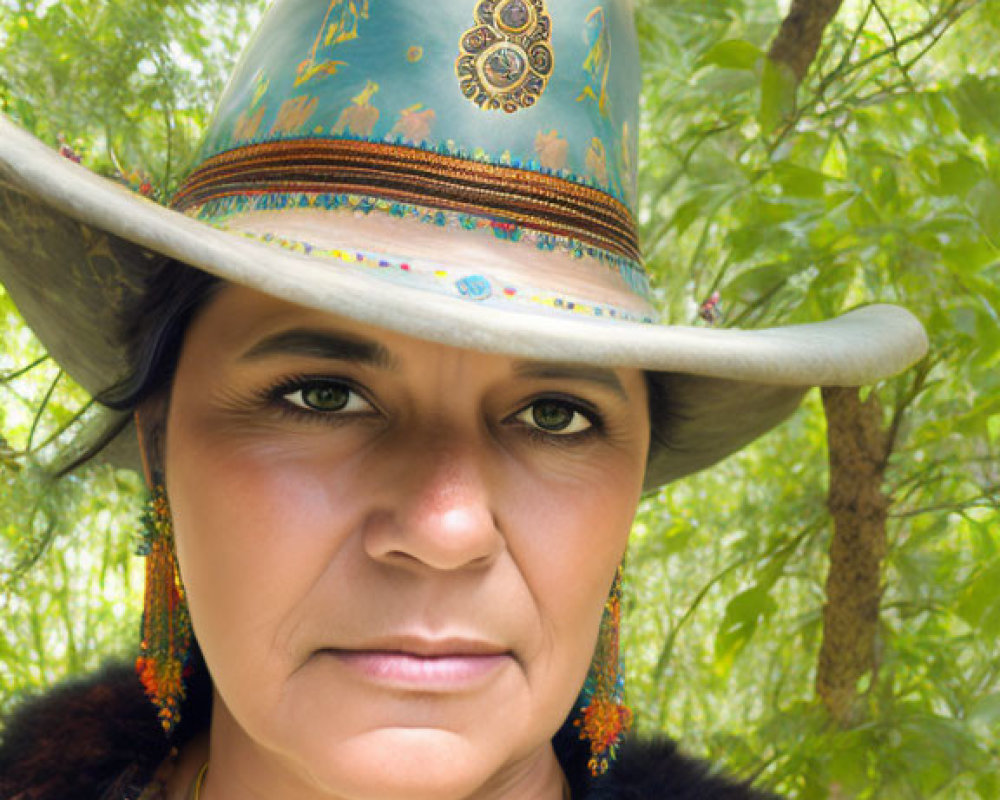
(366, 741)
(407, 764)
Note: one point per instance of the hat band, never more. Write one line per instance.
(535, 200)
(479, 287)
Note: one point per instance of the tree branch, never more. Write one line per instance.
(920, 373)
(63, 428)
(41, 410)
(17, 373)
(990, 496)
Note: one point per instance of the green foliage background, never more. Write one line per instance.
(877, 180)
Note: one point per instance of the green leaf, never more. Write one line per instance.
(687, 213)
(753, 283)
(829, 289)
(977, 100)
(988, 785)
(958, 176)
(985, 202)
(942, 111)
(985, 711)
(849, 766)
(743, 614)
(979, 604)
(777, 95)
(799, 181)
(732, 54)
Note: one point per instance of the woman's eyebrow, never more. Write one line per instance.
(315, 343)
(603, 377)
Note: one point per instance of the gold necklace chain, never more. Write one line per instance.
(199, 781)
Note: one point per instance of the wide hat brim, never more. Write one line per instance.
(76, 251)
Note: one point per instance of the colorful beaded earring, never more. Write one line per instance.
(602, 716)
(166, 624)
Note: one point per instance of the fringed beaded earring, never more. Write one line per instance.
(602, 716)
(166, 625)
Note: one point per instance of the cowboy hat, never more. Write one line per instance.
(472, 170)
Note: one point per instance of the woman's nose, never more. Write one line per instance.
(437, 511)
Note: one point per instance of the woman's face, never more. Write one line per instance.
(396, 552)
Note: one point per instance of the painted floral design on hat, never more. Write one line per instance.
(360, 117)
(414, 124)
(597, 161)
(293, 115)
(552, 150)
(341, 23)
(598, 63)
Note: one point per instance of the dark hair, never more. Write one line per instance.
(155, 329)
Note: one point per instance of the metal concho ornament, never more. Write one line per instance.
(506, 58)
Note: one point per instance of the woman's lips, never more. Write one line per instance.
(418, 671)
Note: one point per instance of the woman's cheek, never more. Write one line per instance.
(250, 543)
(568, 539)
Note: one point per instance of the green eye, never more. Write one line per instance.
(326, 397)
(554, 416)
(551, 416)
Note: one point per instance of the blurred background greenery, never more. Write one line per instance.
(798, 175)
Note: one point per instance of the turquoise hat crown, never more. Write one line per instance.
(519, 115)
(547, 85)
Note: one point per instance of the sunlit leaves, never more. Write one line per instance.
(127, 83)
(878, 185)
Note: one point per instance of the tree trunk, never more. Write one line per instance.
(857, 446)
(801, 34)
(858, 449)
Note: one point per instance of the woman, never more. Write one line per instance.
(396, 414)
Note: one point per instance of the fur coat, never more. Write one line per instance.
(98, 739)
